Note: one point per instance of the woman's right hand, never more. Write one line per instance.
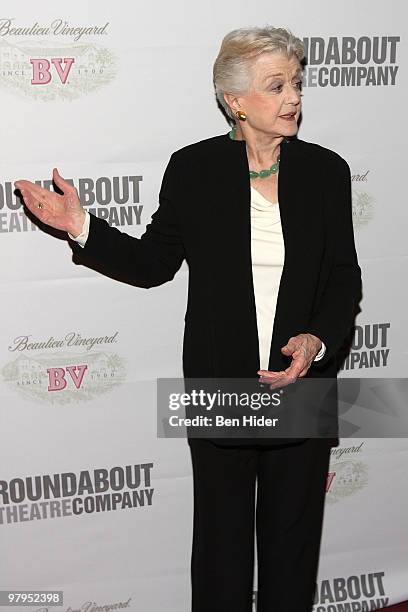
(63, 212)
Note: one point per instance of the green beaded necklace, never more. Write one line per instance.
(262, 173)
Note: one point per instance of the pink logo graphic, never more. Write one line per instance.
(329, 481)
(57, 377)
(42, 69)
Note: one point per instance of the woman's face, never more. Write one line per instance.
(273, 103)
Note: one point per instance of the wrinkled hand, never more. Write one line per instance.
(303, 348)
(63, 212)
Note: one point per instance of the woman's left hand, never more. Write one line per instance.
(303, 348)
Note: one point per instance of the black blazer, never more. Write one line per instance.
(204, 217)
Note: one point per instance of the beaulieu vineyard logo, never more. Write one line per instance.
(363, 201)
(48, 370)
(348, 473)
(92, 606)
(54, 61)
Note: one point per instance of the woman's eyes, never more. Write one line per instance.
(278, 87)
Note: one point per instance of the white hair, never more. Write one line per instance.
(240, 48)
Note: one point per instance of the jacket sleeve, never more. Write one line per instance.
(148, 261)
(338, 304)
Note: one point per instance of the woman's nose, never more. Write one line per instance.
(293, 94)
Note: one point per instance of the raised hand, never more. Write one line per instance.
(63, 212)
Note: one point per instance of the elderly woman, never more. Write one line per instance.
(264, 222)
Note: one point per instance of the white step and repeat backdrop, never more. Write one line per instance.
(106, 91)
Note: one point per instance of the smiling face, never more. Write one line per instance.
(273, 102)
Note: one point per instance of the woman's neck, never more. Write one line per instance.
(262, 149)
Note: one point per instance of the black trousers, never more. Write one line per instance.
(287, 511)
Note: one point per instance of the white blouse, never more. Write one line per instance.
(268, 252)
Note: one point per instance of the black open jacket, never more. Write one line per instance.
(204, 217)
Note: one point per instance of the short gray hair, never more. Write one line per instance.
(239, 48)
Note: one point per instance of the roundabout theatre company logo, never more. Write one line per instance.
(351, 62)
(52, 61)
(62, 370)
(115, 199)
(349, 593)
(352, 593)
(370, 347)
(49, 496)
